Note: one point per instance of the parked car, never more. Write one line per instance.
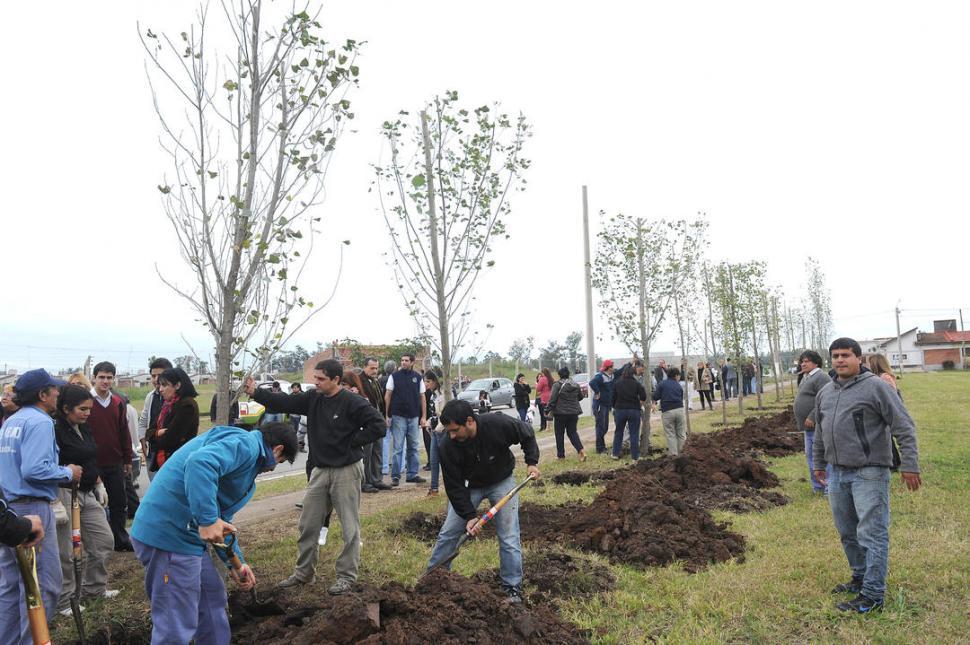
(500, 390)
(251, 413)
(582, 380)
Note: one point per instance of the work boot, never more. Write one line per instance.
(852, 586)
(417, 479)
(292, 581)
(513, 596)
(367, 488)
(382, 486)
(395, 482)
(341, 586)
(860, 605)
(433, 492)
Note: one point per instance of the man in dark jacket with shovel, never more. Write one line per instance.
(477, 464)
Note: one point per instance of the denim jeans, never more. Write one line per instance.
(433, 459)
(631, 420)
(809, 440)
(14, 627)
(506, 525)
(406, 432)
(523, 414)
(602, 426)
(859, 498)
(271, 417)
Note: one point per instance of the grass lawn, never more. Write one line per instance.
(779, 593)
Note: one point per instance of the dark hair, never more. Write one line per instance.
(480, 393)
(563, 372)
(673, 373)
(177, 376)
(371, 359)
(276, 384)
(409, 355)
(846, 343)
(518, 376)
(456, 411)
(331, 368)
(431, 376)
(630, 371)
(545, 372)
(811, 355)
(30, 397)
(349, 377)
(70, 396)
(297, 386)
(281, 434)
(104, 366)
(160, 363)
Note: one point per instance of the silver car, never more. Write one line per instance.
(500, 391)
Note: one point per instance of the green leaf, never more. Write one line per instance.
(230, 85)
(417, 181)
(165, 190)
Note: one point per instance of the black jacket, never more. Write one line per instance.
(485, 459)
(628, 394)
(14, 529)
(522, 391)
(337, 426)
(181, 426)
(80, 449)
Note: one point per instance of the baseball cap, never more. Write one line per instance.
(36, 380)
(607, 364)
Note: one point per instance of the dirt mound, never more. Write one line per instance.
(442, 608)
(774, 436)
(550, 573)
(420, 525)
(578, 477)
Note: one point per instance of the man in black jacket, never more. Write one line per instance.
(15, 530)
(476, 451)
(339, 424)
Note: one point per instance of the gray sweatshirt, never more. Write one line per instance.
(854, 420)
(805, 398)
(565, 397)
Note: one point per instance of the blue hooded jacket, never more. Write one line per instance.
(211, 477)
(602, 384)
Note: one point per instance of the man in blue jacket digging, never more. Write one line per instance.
(857, 415)
(190, 505)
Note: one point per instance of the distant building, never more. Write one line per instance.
(924, 350)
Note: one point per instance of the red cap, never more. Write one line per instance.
(607, 364)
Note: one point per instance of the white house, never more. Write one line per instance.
(889, 347)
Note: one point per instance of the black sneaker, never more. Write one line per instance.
(395, 482)
(417, 479)
(382, 486)
(513, 596)
(852, 586)
(860, 605)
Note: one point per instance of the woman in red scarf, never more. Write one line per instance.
(178, 421)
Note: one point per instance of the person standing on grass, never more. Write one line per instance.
(148, 419)
(705, 384)
(29, 477)
(406, 414)
(543, 392)
(109, 425)
(478, 464)
(339, 425)
(670, 394)
(602, 386)
(432, 392)
(813, 379)
(629, 396)
(857, 417)
(564, 403)
(295, 388)
(189, 506)
(387, 443)
(522, 391)
(76, 445)
(373, 453)
(178, 420)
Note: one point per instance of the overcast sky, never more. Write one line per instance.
(836, 129)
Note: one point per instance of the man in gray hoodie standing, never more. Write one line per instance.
(857, 415)
(813, 379)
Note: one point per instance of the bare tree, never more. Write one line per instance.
(684, 259)
(250, 134)
(521, 350)
(448, 186)
(820, 306)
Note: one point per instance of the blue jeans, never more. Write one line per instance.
(523, 414)
(602, 426)
(433, 459)
(506, 524)
(809, 457)
(14, 627)
(271, 417)
(187, 595)
(631, 420)
(859, 498)
(406, 432)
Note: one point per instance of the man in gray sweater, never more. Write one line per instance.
(857, 415)
(813, 379)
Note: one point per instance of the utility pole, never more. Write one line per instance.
(962, 342)
(590, 355)
(899, 341)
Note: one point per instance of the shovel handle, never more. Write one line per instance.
(487, 517)
(227, 546)
(36, 616)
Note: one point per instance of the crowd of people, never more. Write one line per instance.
(76, 444)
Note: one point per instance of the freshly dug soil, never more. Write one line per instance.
(442, 608)
(577, 477)
(551, 573)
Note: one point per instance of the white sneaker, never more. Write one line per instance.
(111, 593)
(67, 613)
(322, 540)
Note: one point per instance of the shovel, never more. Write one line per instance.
(76, 560)
(27, 561)
(259, 607)
(482, 521)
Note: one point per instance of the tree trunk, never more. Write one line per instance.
(757, 357)
(644, 341)
(439, 276)
(737, 340)
(683, 362)
(775, 350)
